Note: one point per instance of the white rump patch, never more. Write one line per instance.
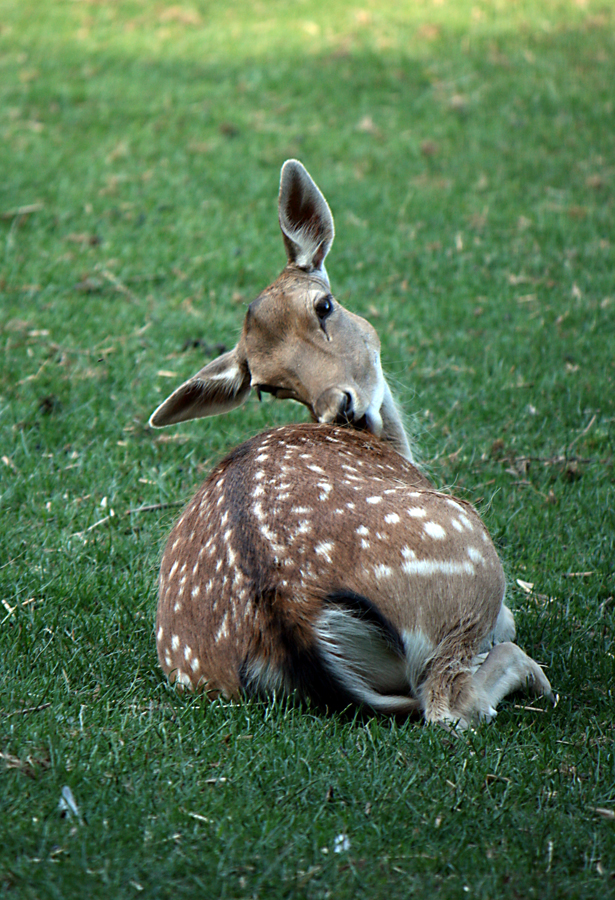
(361, 658)
(419, 651)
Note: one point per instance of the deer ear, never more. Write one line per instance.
(305, 218)
(222, 385)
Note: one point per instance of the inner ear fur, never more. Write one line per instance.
(305, 218)
(220, 386)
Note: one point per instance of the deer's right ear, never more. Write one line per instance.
(220, 386)
(305, 218)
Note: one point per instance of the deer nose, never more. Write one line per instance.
(335, 405)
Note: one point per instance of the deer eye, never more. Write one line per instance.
(323, 308)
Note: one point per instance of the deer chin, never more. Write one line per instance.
(373, 422)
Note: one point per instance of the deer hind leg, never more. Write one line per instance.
(506, 669)
(464, 694)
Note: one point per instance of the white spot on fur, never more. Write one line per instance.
(362, 529)
(301, 510)
(350, 506)
(456, 525)
(175, 543)
(196, 590)
(317, 469)
(325, 488)
(160, 634)
(177, 608)
(258, 491)
(223, 629)
(262, 457)
(187, 653)
(391, 518)
(475, 555)
(258, 476)
(167, 658)
(195, 568)
(174, 642)
(466, 523)
(407, 553)
(173, 569)
(416, 512)
(373, 500)
(183, 678)
(195, 664)
(434, 531)
(364, 544)
(324, 549)
(268, 534)
(454, 504)
(258, 511)
(437, 567)
(231, 556)
(383, 571)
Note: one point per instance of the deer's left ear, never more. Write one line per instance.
(221, 385)
(305, 218)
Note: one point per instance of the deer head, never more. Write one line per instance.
(297, 341)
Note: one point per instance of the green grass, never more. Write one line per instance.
(467, 151)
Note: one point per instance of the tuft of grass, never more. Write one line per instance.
(466, 150)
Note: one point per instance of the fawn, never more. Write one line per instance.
(317, 559)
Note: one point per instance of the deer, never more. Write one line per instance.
(318, 561)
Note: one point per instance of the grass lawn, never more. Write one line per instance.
(467, 150)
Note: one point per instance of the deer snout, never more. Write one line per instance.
(335, 405)
(341, 407)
